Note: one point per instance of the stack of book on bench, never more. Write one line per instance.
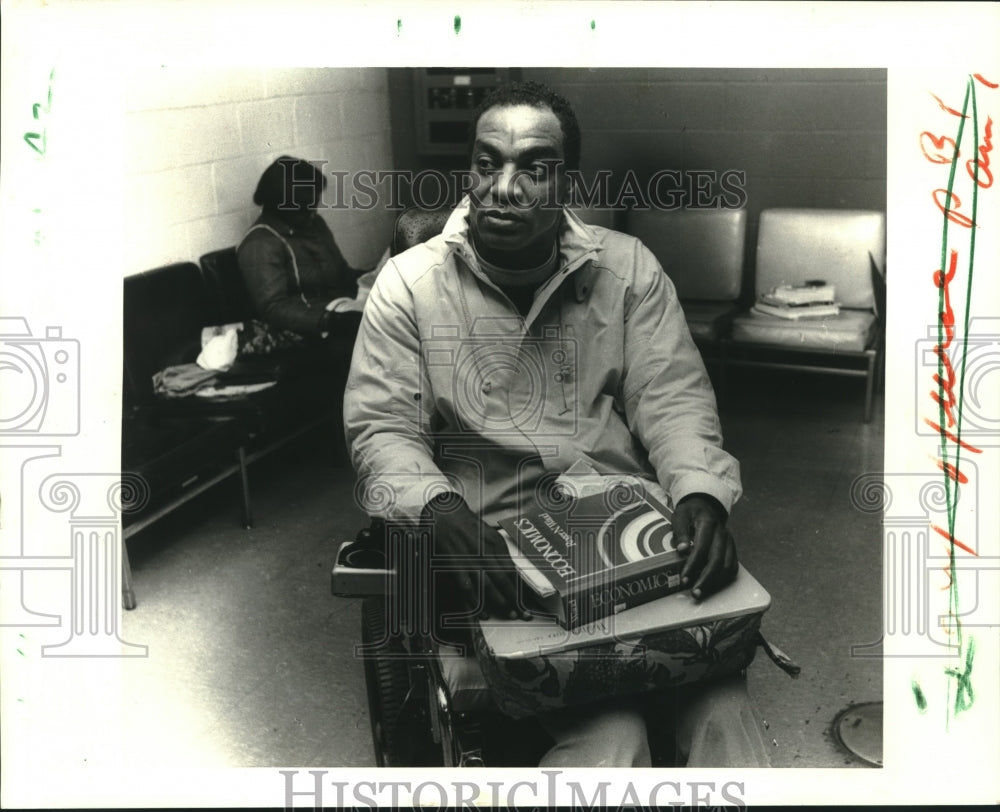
(813, 300)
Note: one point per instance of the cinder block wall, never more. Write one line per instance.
(810, 138)
(197, 141)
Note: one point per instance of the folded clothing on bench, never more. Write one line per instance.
(181, 380)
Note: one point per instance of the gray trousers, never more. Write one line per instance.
(715, 725)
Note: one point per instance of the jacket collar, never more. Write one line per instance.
(578, 244)
(273, 221)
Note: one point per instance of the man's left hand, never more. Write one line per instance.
(700, 532)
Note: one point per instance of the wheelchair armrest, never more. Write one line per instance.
(360, 570)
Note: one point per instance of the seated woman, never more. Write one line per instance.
(291, 265)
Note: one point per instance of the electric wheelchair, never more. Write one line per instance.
(438, 697)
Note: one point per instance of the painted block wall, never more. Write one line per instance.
(805, 138)
(197, 141)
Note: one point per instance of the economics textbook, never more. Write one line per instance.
(593, 556)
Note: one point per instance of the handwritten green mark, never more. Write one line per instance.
(964, 696)
(30, 138)
(918, 696)
(593, 24)
(458, 23)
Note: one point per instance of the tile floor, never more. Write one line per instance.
(250, 656)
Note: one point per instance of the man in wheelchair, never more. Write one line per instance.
(516, 343)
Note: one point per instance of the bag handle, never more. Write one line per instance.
(779, 658)
(291, 254)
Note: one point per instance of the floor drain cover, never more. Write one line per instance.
(859, 729)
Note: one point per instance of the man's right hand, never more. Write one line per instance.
(459, 533)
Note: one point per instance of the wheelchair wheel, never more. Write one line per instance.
(387, 681)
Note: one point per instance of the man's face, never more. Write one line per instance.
(517, 160)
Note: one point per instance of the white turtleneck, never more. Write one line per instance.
(520, 285)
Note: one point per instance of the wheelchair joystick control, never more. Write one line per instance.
(361, 567)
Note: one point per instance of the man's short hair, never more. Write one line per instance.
(535, 94)
(275, 186)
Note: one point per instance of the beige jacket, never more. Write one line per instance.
(451, 389)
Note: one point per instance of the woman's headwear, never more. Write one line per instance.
(277, 184)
